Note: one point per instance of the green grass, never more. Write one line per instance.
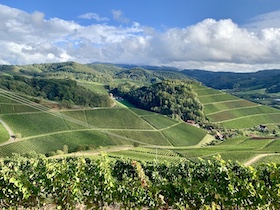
(35, 123)
(4, 135)
(73, 139)
(141, 112)
(216, 107)
(6, 100)
(15, 108)
(159, 121)
(233, 141)
(116, 118)
(156, 151)
(109, 118)
(125, 103)
(146, 137)
(254, 144)
(240, 156)
(198, 87)
(94, 86)
(144, 156)
(184, 135)
(207, 91)
(236, 113)
(217, 98)
(274, 146)
(198, 152)
(252, 121)
(125, 126)
(227, 153)
(268, 159)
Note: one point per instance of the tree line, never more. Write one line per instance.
(61, 90)
(170, 97)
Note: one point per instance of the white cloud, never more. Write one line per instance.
(267, 20)
(119, 16)
(94, 16)
(210, 44)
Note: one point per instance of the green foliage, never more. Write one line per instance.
(184, 135)
(217, 107)
(208, 99)
(252, 121)
(4, 135)
(150, 76)
(236, 113)
(35, 123)
(122, 89)
(159, 121)
(35, 182)
(66, 91)
(115, 118)
(173, 98)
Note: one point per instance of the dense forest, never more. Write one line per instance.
(170, 97)
(230, 80)
(66, 91)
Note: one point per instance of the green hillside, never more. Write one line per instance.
(142, 135)
(233, 112)
(47, 131)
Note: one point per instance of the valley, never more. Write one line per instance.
(230, 130)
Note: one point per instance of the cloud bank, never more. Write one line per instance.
(218, 45)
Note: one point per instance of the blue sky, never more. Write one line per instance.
(217, 35)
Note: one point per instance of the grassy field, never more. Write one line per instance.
(268, 159)
(4, 135)
(94, 86)
(207, 91)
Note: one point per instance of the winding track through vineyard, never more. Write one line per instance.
(11, 139)
(256, 158)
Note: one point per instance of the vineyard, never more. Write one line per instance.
(46, 131)
(34, 182)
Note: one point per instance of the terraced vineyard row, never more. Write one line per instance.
(241, 112)
(234, 112)
(47, 131)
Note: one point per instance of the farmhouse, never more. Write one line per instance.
(192, 122)
(219, 136)
(262, 128)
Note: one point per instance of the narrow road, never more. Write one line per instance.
(256, 158)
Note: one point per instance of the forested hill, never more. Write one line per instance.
(173, 98)
(61, 90)
(268, 79)
(95, 72)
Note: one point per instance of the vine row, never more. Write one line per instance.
(34, 182)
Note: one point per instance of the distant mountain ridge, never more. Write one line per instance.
(231, 80)
(106, 72)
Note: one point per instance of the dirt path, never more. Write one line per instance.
(9, 131)
(254, 159)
